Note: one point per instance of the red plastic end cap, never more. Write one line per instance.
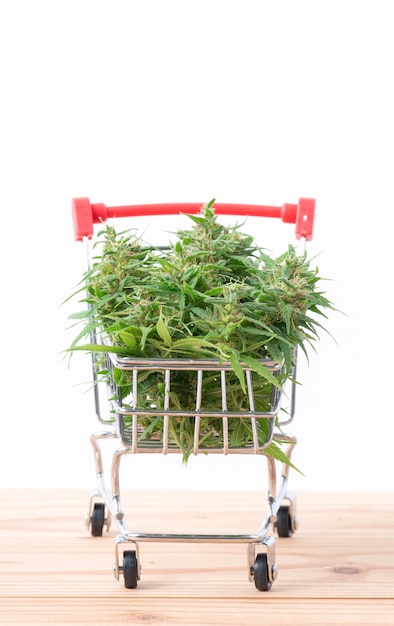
(99, 213)
(289, 213)
(305, 218)
(82, 218)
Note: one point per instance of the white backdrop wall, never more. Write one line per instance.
(128, 101)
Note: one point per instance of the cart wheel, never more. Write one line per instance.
(130, 569)
(283, 522)
(97, 519)
(261, 578)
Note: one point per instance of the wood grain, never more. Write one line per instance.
(337, 569)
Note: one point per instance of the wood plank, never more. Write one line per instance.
(337, 569)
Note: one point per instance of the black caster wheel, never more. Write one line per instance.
(97, 520)
(130, 569)
(283, 523)
(260, 573)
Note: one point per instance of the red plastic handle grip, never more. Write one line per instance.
(85, 214)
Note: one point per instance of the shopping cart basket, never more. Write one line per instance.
(121, 420)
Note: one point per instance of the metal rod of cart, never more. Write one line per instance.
(121, 421)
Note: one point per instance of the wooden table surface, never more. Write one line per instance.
(338, 568)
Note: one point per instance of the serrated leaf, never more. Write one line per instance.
(128, 339)
(193, 295)
(163, 332)
(275, 452)
(286, 311)
(237, 367)
(261, 369)
(145, 330)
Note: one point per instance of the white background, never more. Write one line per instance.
(158, 101)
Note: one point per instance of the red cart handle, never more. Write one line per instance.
(86, 214)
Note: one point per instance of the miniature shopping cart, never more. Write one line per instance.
(121, 421)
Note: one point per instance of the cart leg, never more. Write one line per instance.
(290, 496)
(291, 499)
(95, 510)
(272, 489)
(105, 434)
(115, 475)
